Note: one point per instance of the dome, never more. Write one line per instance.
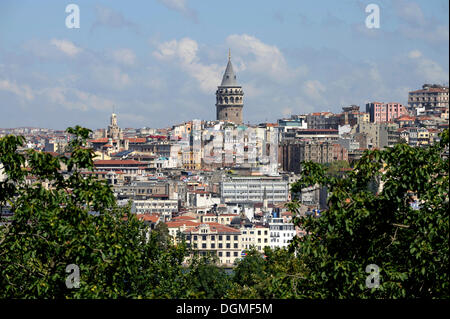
(236, 221)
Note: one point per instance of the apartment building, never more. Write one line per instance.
(257, 236)
(430, 96)
(324, 135)
(224, 219)
(254, 189)
(293, 153)
(130, 167)
(142, 190)
(385, 112)
(281, 232)
(322, 121)
(217, 239)
(165, 208)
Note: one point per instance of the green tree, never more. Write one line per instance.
(62, 219)
(205, 279)
(361, 227)
(275, 274)
(336, 168)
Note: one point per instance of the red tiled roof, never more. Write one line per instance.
(424, 118)
(117, 162)
(187, 223)
(222, 228)
(184, 218)
(147, 217)
(100, 140)
(431, 90)
(405, 118)
(136, 140)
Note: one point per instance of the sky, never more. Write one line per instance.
(157, 63)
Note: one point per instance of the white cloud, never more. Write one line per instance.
(75, 99)
(418, 26)
(264, 59)
(249, 54)
(22, 91)
(410, 12)
(314, 89)
(108, 17)
(110, 77)
(66, 47)
(124, 56)
(181, 7)
(184, 54)
(427, 69)
(414, 54)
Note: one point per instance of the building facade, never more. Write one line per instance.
(254, 189)
(430, 96)
(385, 112)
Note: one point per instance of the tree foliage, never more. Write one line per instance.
(410, 245)
(62, 220)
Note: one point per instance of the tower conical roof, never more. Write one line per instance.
(229, 78)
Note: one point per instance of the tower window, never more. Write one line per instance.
(226, 114)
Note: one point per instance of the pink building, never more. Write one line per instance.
(385, 112)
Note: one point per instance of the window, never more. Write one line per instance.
(235, 254)
(220, 245)
(235, 245)
(228, 254)
(220, 237)
(195, 237)
(236, 237)
(220, 254)
(228, 237)
(228, 245)
(203, 237)
(213, 246)
(213, 237)
(203, 245)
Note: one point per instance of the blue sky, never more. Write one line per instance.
(158, 62)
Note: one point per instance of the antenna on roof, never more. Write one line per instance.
(229, 54)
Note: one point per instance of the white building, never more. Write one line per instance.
(164, 208)
(244, 189)
(281, 232)
(201, 200)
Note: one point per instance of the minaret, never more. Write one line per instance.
(229, 97)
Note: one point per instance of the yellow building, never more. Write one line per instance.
(257, 236)
(216, 239)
